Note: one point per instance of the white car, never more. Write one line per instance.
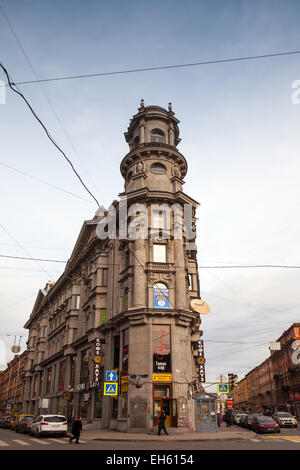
(285, 419)
(49, 424)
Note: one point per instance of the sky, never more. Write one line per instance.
(240, 136)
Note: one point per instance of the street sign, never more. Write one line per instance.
(110, 389)
(223, 388)
(162, 377)
(111, 376)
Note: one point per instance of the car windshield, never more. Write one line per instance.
(264, 419)
(55, 419)
(27, 419)
(284, 415)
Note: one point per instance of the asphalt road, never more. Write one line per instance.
(288, 439)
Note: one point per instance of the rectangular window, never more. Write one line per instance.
(102, 316)
(75, 334)
(48, 381)
(62, 373)
(77, 302)
(104, 277)
(159, 253)
(73, 371)
(190, 282)
(159, 218)
(85, 366)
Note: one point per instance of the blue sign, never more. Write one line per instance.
(111, 376)
(110, 389)
(223, 388)
(161, 297)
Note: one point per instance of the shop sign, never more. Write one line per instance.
(161, 344)
(124, 379)
(297, 396)
(201, 373)
(98, 361)
(229, 404)
(162, 377)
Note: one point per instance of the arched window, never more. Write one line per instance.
(157, 135)
(136, 140)
(130, 173)
(160, 296)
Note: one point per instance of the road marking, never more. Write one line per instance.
(22, 443)
(3, 444)
(60, 441)
(40, 441)
(293, 437)
(255, 440)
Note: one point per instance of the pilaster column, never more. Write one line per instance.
(139, 280)
(180, 283)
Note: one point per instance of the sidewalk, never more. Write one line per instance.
(233, 433)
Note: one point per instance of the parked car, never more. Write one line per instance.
(250, 418)
(237, 418)
(49, 424)
(6, 421)
(243, 420)
(264, 424)
(24, 424)
(17, 419)
(283, 418)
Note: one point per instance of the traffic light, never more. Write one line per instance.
(232, 380)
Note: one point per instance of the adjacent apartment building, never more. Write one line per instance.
(123, 301)
(11, 385)
(274, 385)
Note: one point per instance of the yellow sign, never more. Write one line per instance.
(124, 388)
(200, 306)
(97, 359)
(162, 377)
(124, 379)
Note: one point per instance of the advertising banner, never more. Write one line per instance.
(161, 343)
(161, 297)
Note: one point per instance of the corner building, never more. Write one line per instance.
(125, 300)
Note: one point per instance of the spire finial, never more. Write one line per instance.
(142, 103)
(170, 107)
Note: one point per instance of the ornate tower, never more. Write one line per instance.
(160, 276)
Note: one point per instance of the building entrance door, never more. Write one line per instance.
(162, 400)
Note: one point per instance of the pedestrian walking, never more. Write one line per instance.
(219, 419)
(228, 418)
(161, 424)
(76, 430)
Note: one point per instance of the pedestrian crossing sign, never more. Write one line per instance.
(110, 389)
(223, 388)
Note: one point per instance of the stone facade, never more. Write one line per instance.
(131, 294)
(11, 386)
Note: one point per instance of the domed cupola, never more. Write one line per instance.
(153, 160)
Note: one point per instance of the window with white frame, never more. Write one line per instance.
(159, 253)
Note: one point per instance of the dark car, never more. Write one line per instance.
(25, 424)
(6, 421)
(242, 421)
(264, 424)
(250, 418)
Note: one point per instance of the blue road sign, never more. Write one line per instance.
(223, 388)
(111, 376)
(110, 389)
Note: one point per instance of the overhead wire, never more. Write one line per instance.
(162, 67)
(45, 94)
(45, 182)
(10, 83)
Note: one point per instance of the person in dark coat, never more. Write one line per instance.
(228, 418)
(76, 430)
(219, 419)
(161, 424)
